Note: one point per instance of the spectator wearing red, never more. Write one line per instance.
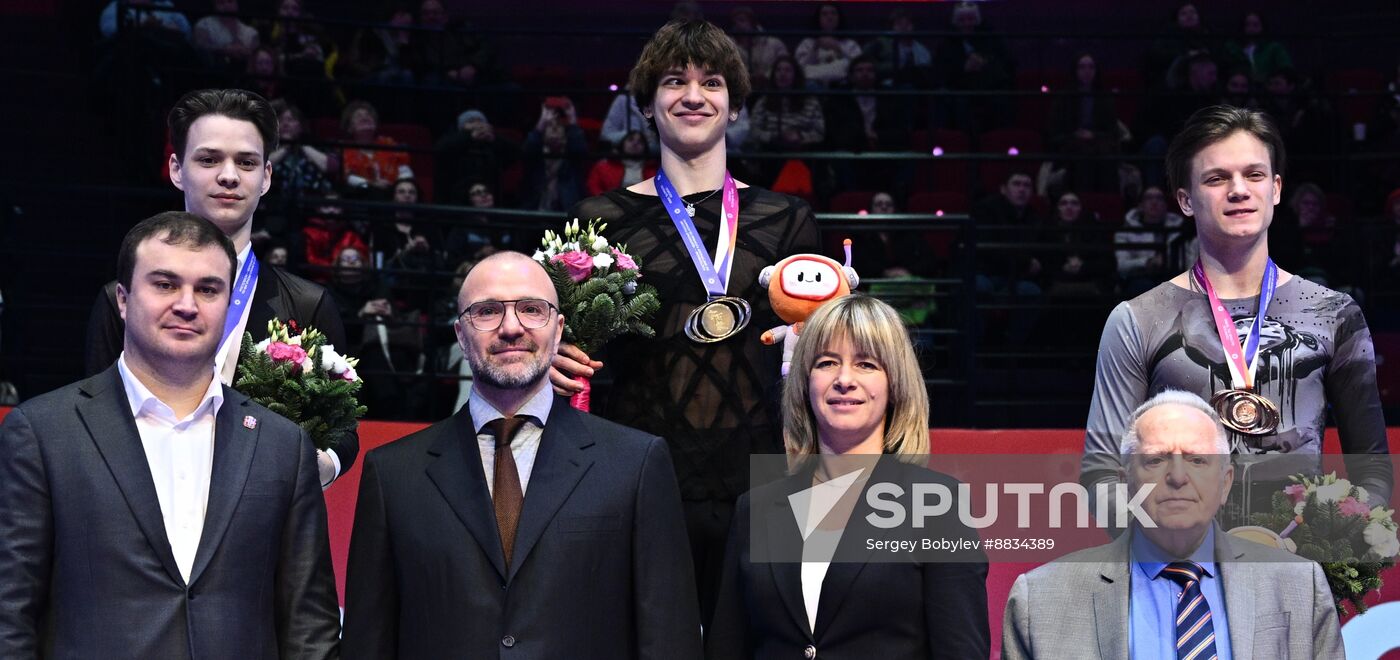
(327, 233)
(367, 168)
(626, 167)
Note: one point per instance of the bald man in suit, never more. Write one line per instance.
(519, 527)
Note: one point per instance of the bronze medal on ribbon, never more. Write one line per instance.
(718, 319)
(1246, 412)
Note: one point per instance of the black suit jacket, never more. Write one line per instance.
(601, 566)
(280, 295)
(86, 569)
(845, 124)
(870, 606)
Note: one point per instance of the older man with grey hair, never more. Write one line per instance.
(1179, 587)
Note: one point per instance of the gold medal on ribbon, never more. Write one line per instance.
(718, 319)
(1246, 412)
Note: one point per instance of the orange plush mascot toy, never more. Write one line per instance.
(797, 286)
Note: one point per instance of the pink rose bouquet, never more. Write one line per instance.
(301, 377)
(599, 295)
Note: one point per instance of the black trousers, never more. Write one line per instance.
(708, 521)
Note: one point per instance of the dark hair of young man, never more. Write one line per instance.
(239, 104)
(176, 228)
(684, 42)
(1213, 124)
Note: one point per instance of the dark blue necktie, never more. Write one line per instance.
(1195, 634)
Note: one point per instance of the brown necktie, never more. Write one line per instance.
(508, 495)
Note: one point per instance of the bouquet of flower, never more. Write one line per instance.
(1326, 519)
(598, 291)
(299, 376)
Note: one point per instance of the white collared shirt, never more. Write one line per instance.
(180, 454)
(813, 505)
(526, 443)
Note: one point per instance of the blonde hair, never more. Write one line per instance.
(875, 329)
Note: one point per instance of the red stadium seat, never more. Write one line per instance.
(851, 201)
(591, 129)
(1355, 107)
(608, 83)
(1340, 206)
(534, 76)
(512, 180)
(938, 203)
(1129, 83)
(412, 135)
(327, 128)
(1108, 206)
(507, 133)
(940, 242)
(1033, 110)
(1012, 142)
(941, 175)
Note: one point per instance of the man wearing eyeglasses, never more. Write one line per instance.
(519, 526)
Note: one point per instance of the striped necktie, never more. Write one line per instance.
(1195, 634)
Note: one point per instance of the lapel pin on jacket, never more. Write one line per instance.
(250, 422)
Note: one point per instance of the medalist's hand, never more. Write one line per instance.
(326, 467)
(568, 363)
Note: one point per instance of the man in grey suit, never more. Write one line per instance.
(1182, 589)
(151, 512)
(519, 527)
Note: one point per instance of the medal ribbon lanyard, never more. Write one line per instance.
(238, 302)
(1242, 358)
(714, 274)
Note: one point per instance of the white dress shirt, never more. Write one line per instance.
(180, 454)
(812, 507)
(526, 443)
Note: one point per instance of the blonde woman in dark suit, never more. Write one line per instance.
(855, 413)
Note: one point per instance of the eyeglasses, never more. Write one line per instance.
(485, 316)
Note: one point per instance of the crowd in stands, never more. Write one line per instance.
(1089, 209)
